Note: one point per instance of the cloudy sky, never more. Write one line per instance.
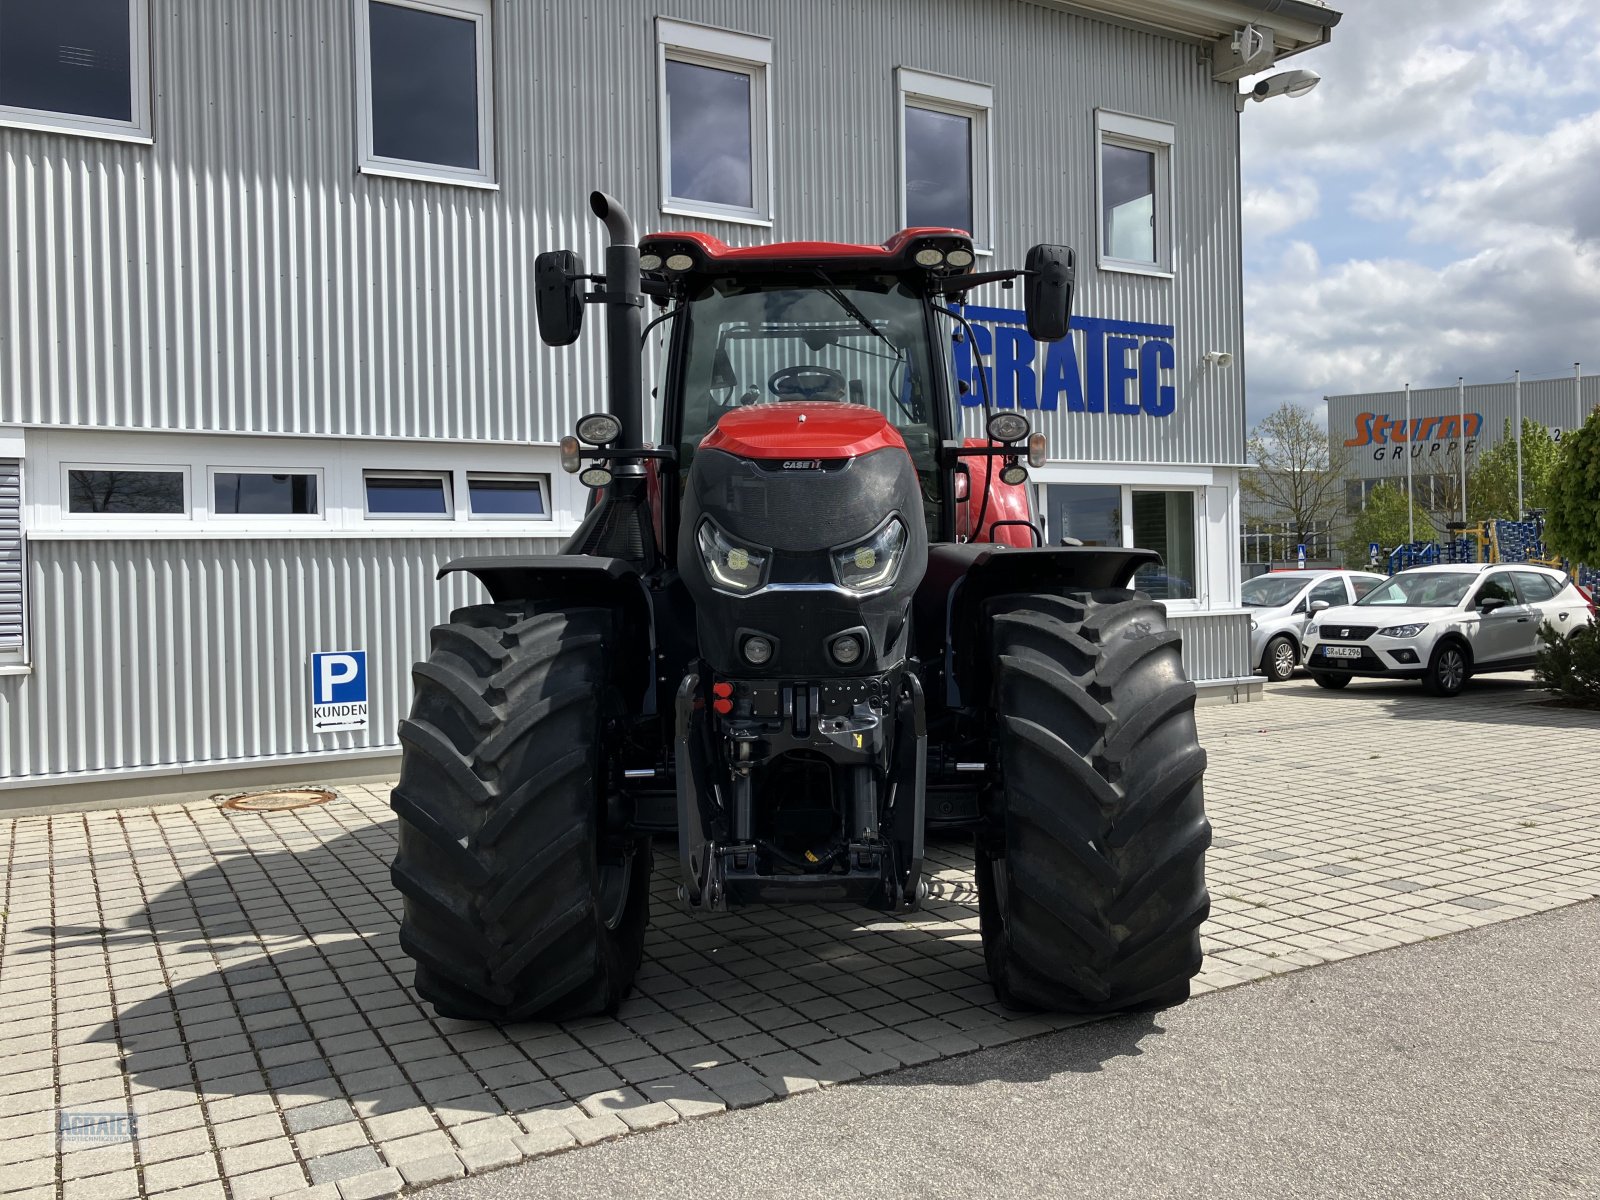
(1433, 209)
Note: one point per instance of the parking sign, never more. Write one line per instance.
(338, 691)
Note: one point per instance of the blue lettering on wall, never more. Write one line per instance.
(1125, 369)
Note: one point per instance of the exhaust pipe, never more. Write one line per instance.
(624, 301)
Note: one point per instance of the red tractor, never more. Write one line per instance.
(808, 627)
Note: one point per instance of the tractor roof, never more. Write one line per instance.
(911, 249)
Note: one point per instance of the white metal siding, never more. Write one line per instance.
(1215, 645)
(240, 275)
(150, 654)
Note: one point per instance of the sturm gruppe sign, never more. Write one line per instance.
(1124, 368)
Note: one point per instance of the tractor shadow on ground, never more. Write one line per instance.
(279, 973)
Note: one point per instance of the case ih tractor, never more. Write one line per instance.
(808, 626)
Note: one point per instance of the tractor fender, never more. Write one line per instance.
(962, 576)
(580, 580)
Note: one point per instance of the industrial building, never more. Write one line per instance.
(267, 355)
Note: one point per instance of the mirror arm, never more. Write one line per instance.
(960, 285)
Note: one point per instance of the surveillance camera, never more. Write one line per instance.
(1285, 83)
(1218, 358)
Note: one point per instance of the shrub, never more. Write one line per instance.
(1570, 666)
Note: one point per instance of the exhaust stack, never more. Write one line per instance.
(624, 301)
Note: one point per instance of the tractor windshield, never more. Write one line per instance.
(863, 341)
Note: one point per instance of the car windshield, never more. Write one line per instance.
(1272, 591)
(1421, 589)
(863, 342)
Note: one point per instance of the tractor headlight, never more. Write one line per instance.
(872, 564)
(732, 567)
(1402, 631)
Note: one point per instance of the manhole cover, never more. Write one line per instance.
(279, 799)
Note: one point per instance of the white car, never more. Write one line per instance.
(1280, 605)
(1443, 624)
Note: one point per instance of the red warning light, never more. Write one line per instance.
(723, 689)
(723, 705)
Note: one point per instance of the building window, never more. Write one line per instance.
(945, 177)
(1087, 514)
(79, 66)
(264, 494)
(715, 122)
(425, 92)
(1135, 193)
(147, 491)
(411, 494)
(13, 569)
(1164, 522)
(513, 496)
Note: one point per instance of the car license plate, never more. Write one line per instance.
(1341, 651)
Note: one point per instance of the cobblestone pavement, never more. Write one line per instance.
(233, 979)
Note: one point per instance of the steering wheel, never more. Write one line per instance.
(807, 383)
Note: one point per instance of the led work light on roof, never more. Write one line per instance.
(597, 429)
(649, 262)
(679, 262)
(1008, 427)
(959, 258)
(930, 256)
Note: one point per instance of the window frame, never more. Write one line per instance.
(137, 130)
(1337, 581)
(444, 475)
(1204, 555)
(539, 478)
(962, 98)
(1136, 133)
(69, 517)
(724, 50)
(368, 162)
(209, 511)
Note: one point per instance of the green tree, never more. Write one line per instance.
(1492, 482)
(1298, 476)
(1572, 500)
(1385, 520)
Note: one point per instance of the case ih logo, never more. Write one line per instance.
(802, 464)
(1431, 435)
(1120, 367)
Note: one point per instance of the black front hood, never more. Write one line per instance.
(801, 516)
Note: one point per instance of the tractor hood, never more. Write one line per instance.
(802, 522)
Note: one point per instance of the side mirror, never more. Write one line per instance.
(1320, 606)
(1051, 274)
(1489, 603)
(557, 298)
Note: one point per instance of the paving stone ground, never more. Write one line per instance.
(233, 979)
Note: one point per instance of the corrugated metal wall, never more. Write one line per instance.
(1555, 403)
(150, 654)
(1215, 645)
(240, 275)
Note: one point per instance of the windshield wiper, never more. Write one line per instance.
(833, 291)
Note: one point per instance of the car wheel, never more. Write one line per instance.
(1332, 682)
(1279, 660)
(1447, 670)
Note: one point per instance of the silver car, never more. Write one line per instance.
(1281, 603)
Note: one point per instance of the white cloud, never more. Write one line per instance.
(1273, 210)
(1450, 164)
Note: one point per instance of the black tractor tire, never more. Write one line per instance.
(1449, 668)
(519, 904)
(1279, 659)
(1093, 898)
(1333, 683)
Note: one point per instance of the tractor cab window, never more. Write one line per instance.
(861, 342)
